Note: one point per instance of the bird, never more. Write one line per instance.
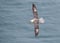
(36, 20)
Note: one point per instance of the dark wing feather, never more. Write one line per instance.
(36, 22)
(34, 12)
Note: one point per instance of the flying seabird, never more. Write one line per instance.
(36, 20)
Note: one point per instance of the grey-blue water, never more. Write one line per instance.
(16, 28)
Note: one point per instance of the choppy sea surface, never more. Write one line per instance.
(16, 28)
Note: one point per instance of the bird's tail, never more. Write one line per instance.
(41, 20)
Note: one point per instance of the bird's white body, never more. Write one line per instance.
(41, 20)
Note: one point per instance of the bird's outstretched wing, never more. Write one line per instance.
(34, 11)
(36, 22)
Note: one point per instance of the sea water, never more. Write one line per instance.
(16, 28)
